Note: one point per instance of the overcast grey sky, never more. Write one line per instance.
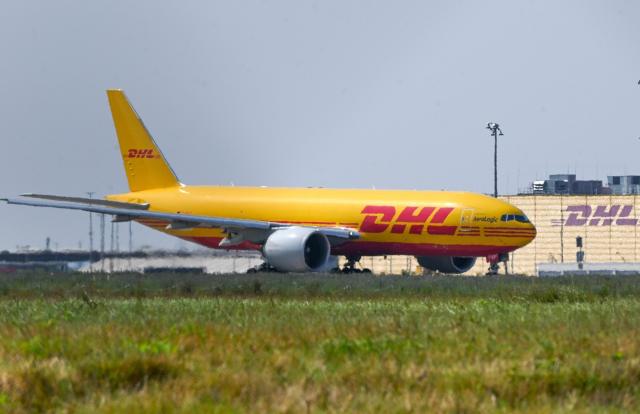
(391, 94)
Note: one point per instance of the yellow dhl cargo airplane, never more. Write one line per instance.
(301, 229)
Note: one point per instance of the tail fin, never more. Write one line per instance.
(144, 164)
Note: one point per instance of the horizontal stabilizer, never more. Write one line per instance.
(95, 201)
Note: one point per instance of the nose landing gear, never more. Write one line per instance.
(494, 263)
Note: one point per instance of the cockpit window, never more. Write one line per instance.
(520, 218)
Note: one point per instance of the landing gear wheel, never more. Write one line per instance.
(350, 265)
(493, 269)
(262, 268)
(349, 271)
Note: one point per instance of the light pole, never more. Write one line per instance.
(495, 131)
(90, 194)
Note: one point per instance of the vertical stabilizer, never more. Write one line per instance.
(144, 164)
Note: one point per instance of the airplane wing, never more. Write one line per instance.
(122, 211)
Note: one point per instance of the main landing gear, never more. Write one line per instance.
(262, 268)
(350, 266)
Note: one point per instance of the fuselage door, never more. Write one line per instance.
(466, 219)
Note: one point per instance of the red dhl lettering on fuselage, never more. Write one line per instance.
(141, 153)
(378, 219)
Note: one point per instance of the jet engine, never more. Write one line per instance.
(447, 264)
(297, 249)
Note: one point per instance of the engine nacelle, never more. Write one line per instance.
(297, 249)
(447, 264)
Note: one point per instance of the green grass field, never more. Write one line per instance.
(318, 343)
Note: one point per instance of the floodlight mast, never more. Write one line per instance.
(495, 131)
(90, 194)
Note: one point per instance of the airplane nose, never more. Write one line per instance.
(533, 233)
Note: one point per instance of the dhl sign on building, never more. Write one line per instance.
(609, 226)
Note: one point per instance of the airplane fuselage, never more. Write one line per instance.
(428, 223)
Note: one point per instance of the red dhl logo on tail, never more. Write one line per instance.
(141, 153)
(378, 219)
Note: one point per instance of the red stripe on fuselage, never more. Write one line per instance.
(511, 234)
(521, 236)
(442, 230)
(214, 243)
(417, 249)
(509, 228)
(519, 233)
(367, 248)
(509, 231)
